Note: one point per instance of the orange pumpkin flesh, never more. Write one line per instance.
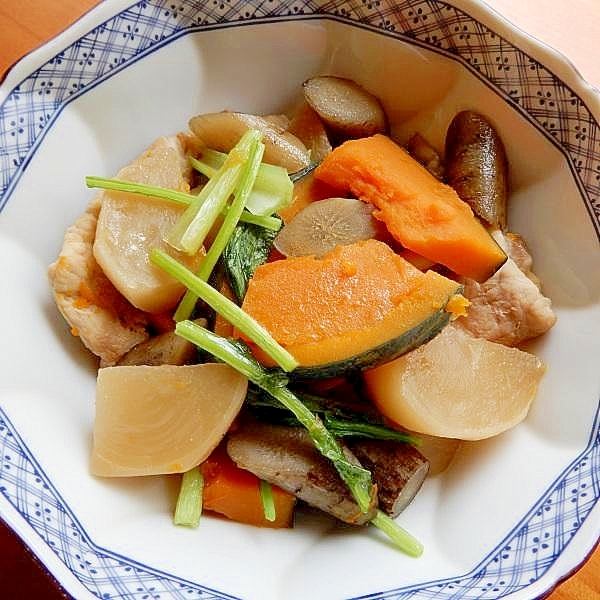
(349, 309)
(235, 493)
(422, 213)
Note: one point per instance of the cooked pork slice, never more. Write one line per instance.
(285, 456)
(509, 307)
(87, 292)
(517, 249)
(106, 322)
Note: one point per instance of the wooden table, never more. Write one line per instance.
(572, 28)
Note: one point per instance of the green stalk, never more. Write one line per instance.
(226, 308)
(399, 536)
(272, 190)
(183, 198)
(208, 160)
(189, 232)
(153, 191)
(356, 478)
(232, 216)
(204, 168)
(189, 502)
(268, 222)
(268, 502)
(344, 427)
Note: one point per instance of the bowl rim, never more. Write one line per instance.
(562, 68)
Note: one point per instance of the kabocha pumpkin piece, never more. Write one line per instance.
(422, 213)
(358, 306)
(153, 420)
(235, 493)
(457, 386)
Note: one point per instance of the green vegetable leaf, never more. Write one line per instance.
(248, 248)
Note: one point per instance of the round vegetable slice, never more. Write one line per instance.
(162, 419)
(346, 108)
(457, 386)
(130, 226)
(325, 224)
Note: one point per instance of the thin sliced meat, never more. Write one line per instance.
(509, 307)
(106, 322)
(519, 252)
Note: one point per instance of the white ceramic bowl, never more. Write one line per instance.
(512, 515)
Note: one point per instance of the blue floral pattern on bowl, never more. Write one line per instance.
(29, 111)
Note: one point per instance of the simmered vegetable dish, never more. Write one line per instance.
(297, 310)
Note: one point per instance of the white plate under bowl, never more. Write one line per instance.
(513, 515)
